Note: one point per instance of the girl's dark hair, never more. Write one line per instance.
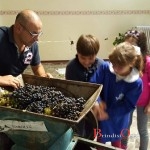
(125, 54)
(141, 41)
(87, 45)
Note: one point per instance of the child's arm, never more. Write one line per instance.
(99, 110)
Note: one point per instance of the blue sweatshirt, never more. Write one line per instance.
(120, 95)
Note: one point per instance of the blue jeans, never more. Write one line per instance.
(142, 120)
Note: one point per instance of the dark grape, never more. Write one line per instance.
(38, 99)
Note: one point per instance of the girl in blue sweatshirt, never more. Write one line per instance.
(122, 87)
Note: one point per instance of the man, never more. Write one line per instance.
(18, 48)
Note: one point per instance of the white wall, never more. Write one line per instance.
(65, 20)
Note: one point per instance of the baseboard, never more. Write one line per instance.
(54, 61)
(58, 61)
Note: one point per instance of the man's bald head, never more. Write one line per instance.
(27, 16)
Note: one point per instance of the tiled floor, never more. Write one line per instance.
(57, 70)
(53, 68)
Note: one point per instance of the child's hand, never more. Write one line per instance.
(102, 105)
(147, 109)
(103, 115)
(95, 109)
(99, 111)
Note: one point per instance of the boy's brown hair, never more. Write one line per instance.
(87, 45)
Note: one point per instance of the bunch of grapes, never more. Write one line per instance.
(70, 108)
(47, 100)
(4, 97)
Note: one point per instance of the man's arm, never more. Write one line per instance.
(39, 71)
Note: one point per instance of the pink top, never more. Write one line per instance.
(144, 98)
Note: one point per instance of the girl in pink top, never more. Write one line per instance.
(143, 105)
(144, 100)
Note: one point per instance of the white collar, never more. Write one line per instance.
(137, 49)
(26, 48)
(132, 77)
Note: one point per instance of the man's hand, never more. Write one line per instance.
(9, 80)
(49, 75)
